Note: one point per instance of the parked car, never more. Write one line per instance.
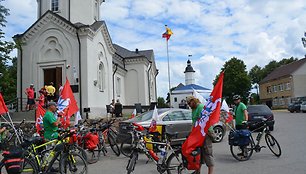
(256, 113)
(175, 120)
(295, 107)
(303, 107)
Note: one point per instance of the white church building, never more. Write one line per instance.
(181, 92)
(69, 40)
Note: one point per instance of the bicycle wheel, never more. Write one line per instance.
(80, 150)
(273, 145)
(111, 137)
(175, 164)
(242, 153)
(132, 163)
(29, 166)
(73, 163)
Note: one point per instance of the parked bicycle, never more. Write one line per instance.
(169, 160)
(46, 155)
(242, 143)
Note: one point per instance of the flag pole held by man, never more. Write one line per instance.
(209, 115)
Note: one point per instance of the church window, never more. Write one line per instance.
(54, 5)
(101, 74)
(118, 87)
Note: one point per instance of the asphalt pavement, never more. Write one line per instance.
(290, 131)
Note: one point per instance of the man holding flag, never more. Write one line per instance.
(206, 150)
(204, 116)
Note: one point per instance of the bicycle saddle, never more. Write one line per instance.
(33, 140)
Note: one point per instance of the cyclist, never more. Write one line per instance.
(50, 122)
(240, 112)
(206, 150)
(241, 116)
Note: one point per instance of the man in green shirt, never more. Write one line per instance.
(206, 150)
(241, 113)
(50, 122)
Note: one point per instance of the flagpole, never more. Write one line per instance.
(168, 73)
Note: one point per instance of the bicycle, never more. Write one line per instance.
(170, 164)
(243, 153)
(63, 151)
(105, 131)
(12, 135)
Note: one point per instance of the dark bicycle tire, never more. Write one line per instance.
(126, 149)
(65, 162)
(250, 149)
(81, 151)
(175, 163)
(112, 142)
(132, 163)
(27, 162)
(271, 142)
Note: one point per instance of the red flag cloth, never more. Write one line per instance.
(210, 115)
(167, 34)
(3, 108)
(40, 112)
(67, 105)
(229, 117)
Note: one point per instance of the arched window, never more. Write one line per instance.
(54, 5)
(101, 76)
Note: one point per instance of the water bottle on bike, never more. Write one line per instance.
(162, 155)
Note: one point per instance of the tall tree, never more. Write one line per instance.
(7, 72)
(236, 79)
(255, 74)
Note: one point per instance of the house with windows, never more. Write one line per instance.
(181, 92)
(284, 85)
(69, 40)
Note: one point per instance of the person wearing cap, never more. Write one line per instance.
(240, 113)
(50, 122)
(50, 92)
(206, 150)
(30, 95)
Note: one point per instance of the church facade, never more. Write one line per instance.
(69, 40)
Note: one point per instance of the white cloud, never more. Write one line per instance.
(212, 31)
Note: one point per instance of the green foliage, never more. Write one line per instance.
(161, 102)
(236, 80)
(257, 73)
(8, 78)
(254, 99)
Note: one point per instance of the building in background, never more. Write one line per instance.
(69, 40)
(181, 92)
(284, 85)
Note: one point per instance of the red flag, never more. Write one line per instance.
(40, 112)
(133, 114)
(153, 126)
(3, 108)
(210, 115)
(67, 105)
(229, 117)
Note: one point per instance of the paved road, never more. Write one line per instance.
(290, 131)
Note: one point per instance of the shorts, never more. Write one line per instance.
(206, 152)
(30, 101)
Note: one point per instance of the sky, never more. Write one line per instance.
(212, 31)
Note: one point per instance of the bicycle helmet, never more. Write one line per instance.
(236, 97)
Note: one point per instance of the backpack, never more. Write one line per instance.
(13, 160)
(91, 140)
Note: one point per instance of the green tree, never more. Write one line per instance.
(8, 73)
(161, 102)
(255, 74)
(236, 80)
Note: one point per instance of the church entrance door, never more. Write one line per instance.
(53, 75)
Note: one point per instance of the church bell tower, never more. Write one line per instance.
(83, 11)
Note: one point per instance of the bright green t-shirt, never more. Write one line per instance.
(239, 113)
(50, 129)
(196, 113)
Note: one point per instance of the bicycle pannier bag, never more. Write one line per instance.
(194, 160)
(13, 160)
(239, 137)
(92, 141)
